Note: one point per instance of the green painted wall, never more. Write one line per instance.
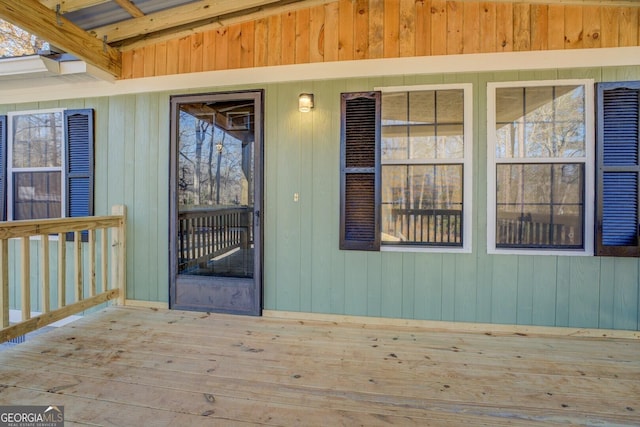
(303, 268)
(35, 276)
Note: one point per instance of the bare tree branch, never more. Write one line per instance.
(16, 42)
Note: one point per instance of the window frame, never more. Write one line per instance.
(589, 167)
(467, 170)
(11, 170)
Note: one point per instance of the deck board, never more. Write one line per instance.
(125, 365)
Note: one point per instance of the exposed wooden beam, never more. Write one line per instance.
(37, 19)
(131, 8)
(67, 6)
(174, 17)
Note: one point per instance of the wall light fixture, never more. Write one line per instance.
(305, 102)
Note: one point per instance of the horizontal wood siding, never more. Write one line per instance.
(366, 29)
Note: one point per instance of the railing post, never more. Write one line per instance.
(119, 253)
(4, 283)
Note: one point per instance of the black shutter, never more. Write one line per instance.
(360, 171)
(618, 175)
(3, 168)
(79, 132)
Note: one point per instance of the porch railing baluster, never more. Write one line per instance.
(62, 270)
(44, 270)
(77, 252)
(92, 263)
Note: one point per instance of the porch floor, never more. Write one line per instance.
(134, 367)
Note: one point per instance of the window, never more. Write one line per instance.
(34, 167)
(618, 177)
(540, 167)
(46, 164)
(406, 169)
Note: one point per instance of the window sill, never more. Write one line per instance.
(548, 252)
(425, 249)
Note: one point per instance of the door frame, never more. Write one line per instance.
(257, 95)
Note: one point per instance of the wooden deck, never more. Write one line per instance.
(135, 367)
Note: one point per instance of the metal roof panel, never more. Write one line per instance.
(110, 12)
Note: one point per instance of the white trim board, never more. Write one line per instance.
(15, 316)
(31, 90)
(454, 326)
(146, 304)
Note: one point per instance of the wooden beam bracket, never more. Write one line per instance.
(58, 20)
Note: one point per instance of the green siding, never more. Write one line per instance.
(408, 285)
(504, 301)
(525, 290)
(374, 284)
(303, 268)
(563, 296)
(543, 291)
(35, 276)
(625, 293)
(392, 277)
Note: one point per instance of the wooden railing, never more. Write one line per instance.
(428, 225)
(16, 243)
(204, 234)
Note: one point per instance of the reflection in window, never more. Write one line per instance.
(422, 167)
(540, 152)
(540, 205)
(36, 149)
(37, 195)
(214, 167)
(37, 140)
(425, 203)
(540, 122)
(215, 143)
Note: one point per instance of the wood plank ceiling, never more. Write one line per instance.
(97, 31)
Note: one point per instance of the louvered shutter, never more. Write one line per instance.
(79, 165)
(618, 177)
(360, 171)
(3, 168)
